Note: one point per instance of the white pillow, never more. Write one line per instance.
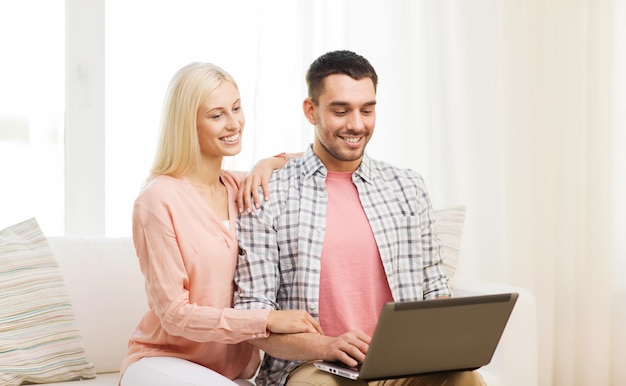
(450, 228)
(39, 342)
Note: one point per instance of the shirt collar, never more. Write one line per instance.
(311, 165)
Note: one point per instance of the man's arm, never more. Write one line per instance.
(349, 348)
(436, 281)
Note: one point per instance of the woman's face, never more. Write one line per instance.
(220, 122)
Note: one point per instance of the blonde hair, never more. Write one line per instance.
(178, 150)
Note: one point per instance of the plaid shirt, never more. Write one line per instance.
(281, 242)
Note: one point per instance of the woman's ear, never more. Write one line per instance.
(309, 110)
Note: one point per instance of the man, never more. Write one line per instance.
(342, 235)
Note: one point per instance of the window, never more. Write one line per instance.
(80, 100)
(32, 98)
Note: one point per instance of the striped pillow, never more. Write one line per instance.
(39, 341)
(450, 227)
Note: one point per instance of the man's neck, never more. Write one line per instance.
(334, 165)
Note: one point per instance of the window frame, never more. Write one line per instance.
(84, 124)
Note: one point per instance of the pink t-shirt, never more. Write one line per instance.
(353, 284)
(188, 258)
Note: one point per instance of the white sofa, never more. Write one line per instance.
(106, 290)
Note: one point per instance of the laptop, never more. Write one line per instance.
(421, 337)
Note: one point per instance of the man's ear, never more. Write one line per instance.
(309, 110)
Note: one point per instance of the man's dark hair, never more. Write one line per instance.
(337, 62)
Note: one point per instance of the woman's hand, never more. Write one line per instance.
(259, 176)
(292, 321)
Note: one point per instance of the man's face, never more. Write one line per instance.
(344, 120)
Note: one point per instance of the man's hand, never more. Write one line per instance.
(292, 321)
(349, 348)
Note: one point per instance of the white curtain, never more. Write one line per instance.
(514, 109)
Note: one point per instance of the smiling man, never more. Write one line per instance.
(342, 235)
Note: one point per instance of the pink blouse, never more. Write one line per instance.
(188, 258)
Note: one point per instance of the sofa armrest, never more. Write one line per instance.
(516, 358)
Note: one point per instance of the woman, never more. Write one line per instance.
(184, 235)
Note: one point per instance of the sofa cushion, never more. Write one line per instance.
(39, 340)
(450, 227)
(107, 379)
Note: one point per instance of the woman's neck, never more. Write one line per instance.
(206, 180)
(207, 174)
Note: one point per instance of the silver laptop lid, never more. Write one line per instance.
(436, 335)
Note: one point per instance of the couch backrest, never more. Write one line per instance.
(106, 289)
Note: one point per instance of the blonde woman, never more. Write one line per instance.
(184, 234)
